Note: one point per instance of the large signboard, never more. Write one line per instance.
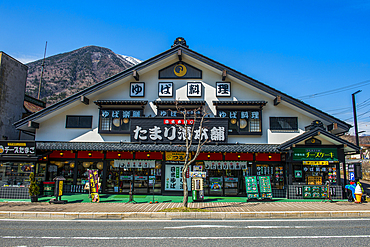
(315, 154)
(172, 130)
(18, 148)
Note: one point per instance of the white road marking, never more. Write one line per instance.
(248, 227)
(195, 238)
(200, 226)
(193, 220)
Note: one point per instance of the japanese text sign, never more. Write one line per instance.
(160, 131)
(18, 148)
(315, 154)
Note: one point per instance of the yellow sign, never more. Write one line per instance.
(60, 188)
(176, 156)
(180, 70)
(16, 144)
(316, 163)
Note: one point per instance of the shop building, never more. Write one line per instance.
(128, 128)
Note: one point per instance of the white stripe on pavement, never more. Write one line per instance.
(195, 238)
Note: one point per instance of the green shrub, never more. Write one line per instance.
(34, 189)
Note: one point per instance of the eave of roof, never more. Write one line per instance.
(315, 132)
(261, 103)
(124, 146)
(120, 102)
(179, 102)
(186, 51)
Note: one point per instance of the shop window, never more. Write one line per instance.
(117, 121)
(65, 168)
(78, 121)
(275, 172)
(17, 173)
(284, 123)
(243, 121)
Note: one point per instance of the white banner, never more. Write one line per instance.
(173, 178)
(136, 164)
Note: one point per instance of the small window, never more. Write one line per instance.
(117, 121)
(175, 113)
(79, 122)
(242, 122)
(284, 123)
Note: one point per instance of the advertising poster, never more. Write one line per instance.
(174, 179)
(216, 184)
(94, 185)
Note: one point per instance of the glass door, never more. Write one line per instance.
(141, 181)
(126, 179)
(155, 179)
(231, 182)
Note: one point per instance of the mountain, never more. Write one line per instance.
(70, 72)
(363, 139)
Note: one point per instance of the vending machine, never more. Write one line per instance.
(197, 189)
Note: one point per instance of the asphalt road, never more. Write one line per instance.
(277, 232)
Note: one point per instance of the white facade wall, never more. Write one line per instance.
(53, 128)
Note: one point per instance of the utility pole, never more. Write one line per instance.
(42, 71)
(355, 116)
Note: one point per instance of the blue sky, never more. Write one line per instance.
(298, 47)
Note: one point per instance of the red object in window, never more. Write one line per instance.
(187, 173)
(62, 154)
(90, 155)
(209, 156)
(119, 155)
(177, 121)
(148, 156)
(268, 157)
(239, 156)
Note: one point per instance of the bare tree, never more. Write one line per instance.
(189, 133)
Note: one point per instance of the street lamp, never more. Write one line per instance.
(355, 116)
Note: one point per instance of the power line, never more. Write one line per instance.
(333, 91)
(345, 110)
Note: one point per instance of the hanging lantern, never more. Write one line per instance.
(72, 165)
(99, 165)
(86, 164)
(59, 164)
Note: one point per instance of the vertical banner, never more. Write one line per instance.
(94, 185)
(173, 178)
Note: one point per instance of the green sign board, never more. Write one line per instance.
(298, 173)
(318, 192)
(251, 187)
(265, 187)
(327, 154)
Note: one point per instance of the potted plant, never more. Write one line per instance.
(33, 189)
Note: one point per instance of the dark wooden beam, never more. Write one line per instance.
(224, 73)
(85, 100)
(179, 54)
(277, 100)
(33, 125)
(332, 126)
(135, 74)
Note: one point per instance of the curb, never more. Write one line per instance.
(182, 215)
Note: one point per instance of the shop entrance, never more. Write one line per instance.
(224, 183)
(142, 180)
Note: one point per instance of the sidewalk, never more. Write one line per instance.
(117, 207)
(218, 208)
